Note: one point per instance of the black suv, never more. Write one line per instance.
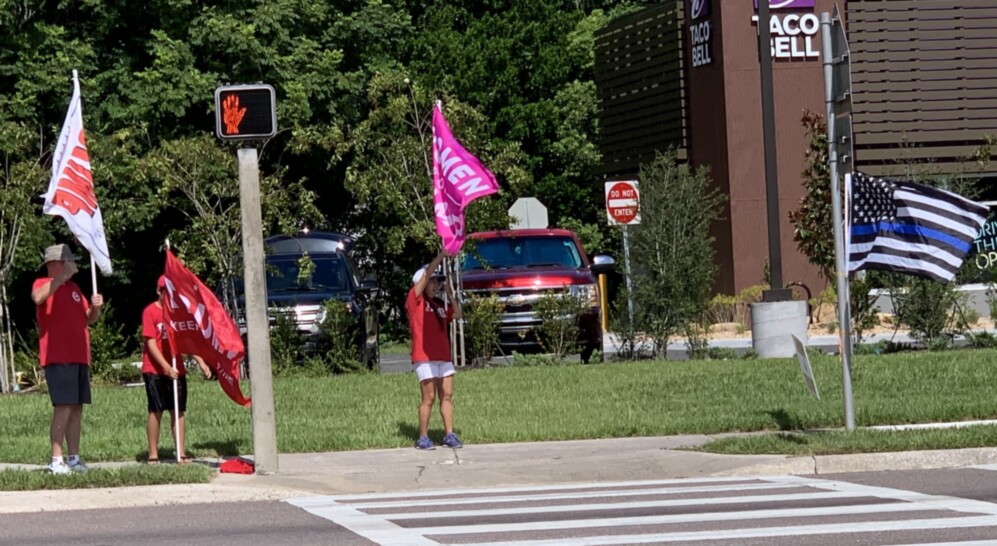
(302, 294)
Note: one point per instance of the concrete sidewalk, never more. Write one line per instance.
(478, 466)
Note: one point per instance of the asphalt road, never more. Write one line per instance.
(939, 507)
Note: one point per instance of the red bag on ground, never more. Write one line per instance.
(237, 465)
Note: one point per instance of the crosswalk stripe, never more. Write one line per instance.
(665, 520)
(704, 501)
(933, 501)
(376, 529)
(764, 532)
(962, 543)
(569, 496)
(531, 489)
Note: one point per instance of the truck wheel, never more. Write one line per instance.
(587, 353)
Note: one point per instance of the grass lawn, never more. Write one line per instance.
(859, 441)
(515, 404)
(25, 480)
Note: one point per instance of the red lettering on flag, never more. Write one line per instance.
(75, 187)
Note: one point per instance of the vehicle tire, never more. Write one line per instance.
(587, 353)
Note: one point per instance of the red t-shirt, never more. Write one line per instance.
(427, 321)
(63, 334)
(154, 327)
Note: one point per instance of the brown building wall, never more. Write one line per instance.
(923, 71)
(726, 134)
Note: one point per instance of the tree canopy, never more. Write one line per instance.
(355, 83)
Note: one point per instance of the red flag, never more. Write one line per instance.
(200, 326)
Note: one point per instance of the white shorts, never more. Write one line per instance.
(434, 369)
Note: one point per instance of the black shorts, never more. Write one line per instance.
(68, 384)
(159, 392)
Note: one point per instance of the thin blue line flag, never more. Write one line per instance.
(901, 226)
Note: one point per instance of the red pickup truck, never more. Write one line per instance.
(521, 265)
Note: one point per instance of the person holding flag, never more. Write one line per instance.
(64, 316)
(428, 318)
(160, 373)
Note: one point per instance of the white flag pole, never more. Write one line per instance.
(93, 274)
(176, 413)
(176, 397)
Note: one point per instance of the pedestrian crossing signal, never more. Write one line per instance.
(245, 112)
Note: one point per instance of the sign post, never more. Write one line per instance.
(247, 113)
(623, 208)
(837, 98)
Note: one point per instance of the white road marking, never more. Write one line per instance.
(765, 532)
(533, 489)
(944, 502)
(553, 509)
(670, 519)
(373, 528)
(347, 511)
(461, 501)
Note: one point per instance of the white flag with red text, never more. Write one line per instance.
(70, 192)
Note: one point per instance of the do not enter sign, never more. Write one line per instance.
(623, 202)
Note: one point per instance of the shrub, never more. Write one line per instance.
(721, 353)
(107, 345)
(696, 342)
(339, 341)
(672, 247)
(534, 360)
(559, 313)
(723, 308)
(287, 345)
(624, 325)
(481, 323)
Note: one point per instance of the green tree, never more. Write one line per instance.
(391, 177)
(672, 248)
(20, 227)
(813, 220)
(198, 178)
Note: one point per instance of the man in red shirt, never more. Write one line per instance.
(64, 317)
(428, 318)
(159, 374)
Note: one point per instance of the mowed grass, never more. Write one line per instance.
(131, 475)
(858, 441)
(515, 404)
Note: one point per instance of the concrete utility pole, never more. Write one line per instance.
(260, 375)
(249, 113)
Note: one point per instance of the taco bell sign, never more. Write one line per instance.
(790, 4)
(699, 9)
(701, 32)
(794, 34)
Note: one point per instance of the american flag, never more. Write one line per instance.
(900, 226)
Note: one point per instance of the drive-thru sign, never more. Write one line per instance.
(623, 202)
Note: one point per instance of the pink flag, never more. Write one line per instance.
(458, 179)
(70, 192)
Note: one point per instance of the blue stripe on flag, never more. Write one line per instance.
(910, 229)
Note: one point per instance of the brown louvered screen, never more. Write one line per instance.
(639, 77)
(924, 73)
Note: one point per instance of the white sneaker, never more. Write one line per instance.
(79, 467)
(59, 467)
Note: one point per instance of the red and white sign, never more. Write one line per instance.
(623, 202)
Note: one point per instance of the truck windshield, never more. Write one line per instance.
(286, 274)
(512, 252)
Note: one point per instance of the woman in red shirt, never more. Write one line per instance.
(428, 319)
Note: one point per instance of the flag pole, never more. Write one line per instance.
(176, 392)
(840, 259)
